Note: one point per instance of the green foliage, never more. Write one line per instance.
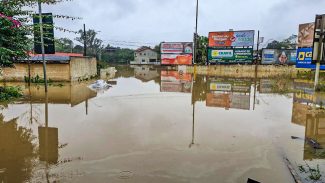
(64, 45)
(119, 55)
(13, 39)
(201, 50)
(9, 93)
(289, 43)
(94, 45)
(37, 79)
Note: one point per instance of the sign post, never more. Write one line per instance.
(318, 49)
(42, 42)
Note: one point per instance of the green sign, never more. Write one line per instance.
(230, 56)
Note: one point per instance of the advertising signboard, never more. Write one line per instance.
(178, 53)
(173, 81)
(305, 59)
(230, 56)
(231, 39)
(176, 59)
(49, 44)
(306, 35)
(274, 56)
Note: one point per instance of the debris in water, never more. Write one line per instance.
(99, 85)
(252, 181)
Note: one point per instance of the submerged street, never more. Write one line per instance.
(161, 125)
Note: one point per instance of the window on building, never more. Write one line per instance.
(143, 60)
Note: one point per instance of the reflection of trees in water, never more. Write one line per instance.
(199, 88)
(17, 152)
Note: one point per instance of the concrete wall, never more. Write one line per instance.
(83, 68)
(244, 71)
(55, 72)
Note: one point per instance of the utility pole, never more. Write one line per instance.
(42, 42)
(195, 34)
(319, 47)
(85, 43)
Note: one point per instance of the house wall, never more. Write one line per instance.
(55, 72)
(83, 68)
(145, 56)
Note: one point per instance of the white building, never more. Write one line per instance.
(145, 55)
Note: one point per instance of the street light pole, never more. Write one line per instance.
(195, 34)
(42, 42)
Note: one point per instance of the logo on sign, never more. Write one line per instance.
(223, 53)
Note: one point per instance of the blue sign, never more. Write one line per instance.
(305, 57)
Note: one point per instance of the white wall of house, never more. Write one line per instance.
(145, 57)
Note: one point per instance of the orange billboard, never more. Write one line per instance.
(231, 39)
(175, 59)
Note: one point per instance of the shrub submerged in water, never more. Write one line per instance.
(9, 92)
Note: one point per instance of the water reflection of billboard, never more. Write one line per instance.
(173, 81)
(299, 113)
(233, 100)
(177, 53)
(235, 85)
(274, 56)
(315, 131)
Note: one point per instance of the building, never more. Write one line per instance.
(145, 55)
(60, 67)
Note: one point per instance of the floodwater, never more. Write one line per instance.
(159, 125)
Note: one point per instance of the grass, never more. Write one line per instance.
(313, 174)
(9, 93)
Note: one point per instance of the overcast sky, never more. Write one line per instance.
(149, 22)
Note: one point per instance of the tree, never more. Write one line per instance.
(13, 36)
(288, 43)
(201, 49)
(94, 45)
(65, 45)
(15, 27)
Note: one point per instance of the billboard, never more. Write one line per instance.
(305, 59)
(306, 35)
(274, 56)
(231, 39)
(230, 56)
(176, 59)
(48, 30)
(178, 53)
(173, 81)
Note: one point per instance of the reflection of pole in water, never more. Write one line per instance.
(86, 102)
(255, 87)
(193, 126)
(193, 114)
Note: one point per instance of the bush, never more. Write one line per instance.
(9, 93)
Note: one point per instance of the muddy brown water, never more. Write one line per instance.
(157, 125)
